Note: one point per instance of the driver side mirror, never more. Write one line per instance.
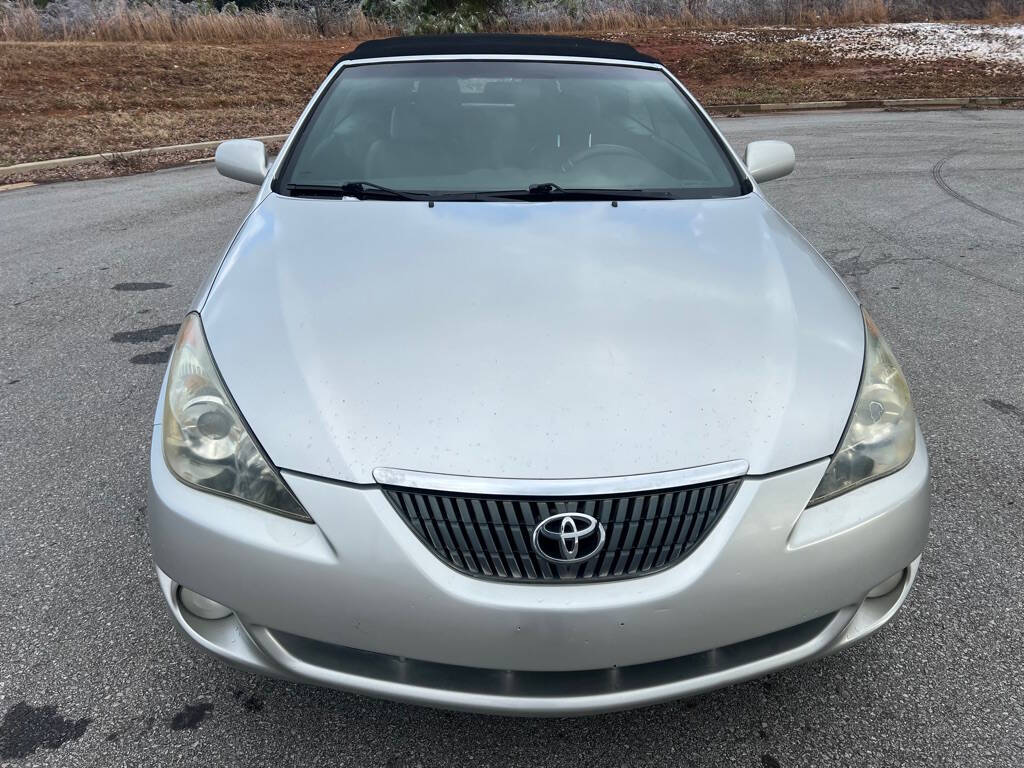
(242, 159)
(768, 160)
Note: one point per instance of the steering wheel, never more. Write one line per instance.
(601, 150)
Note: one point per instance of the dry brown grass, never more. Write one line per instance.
(145, 23)
(20, 22)
(607, 20)
(860, 11)
(996, 11)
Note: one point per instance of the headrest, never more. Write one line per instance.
(438, 89)
(432, 112)
(406, 122)
(614, 101)
(501, 92)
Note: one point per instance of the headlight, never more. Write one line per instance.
(206, 442)
(880, 436)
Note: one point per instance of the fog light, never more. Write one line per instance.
(203, 607)
(886, 586)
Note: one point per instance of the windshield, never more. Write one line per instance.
(491, 126)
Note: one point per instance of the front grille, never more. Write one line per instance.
(492, 536)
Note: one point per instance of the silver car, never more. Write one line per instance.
(513, 394)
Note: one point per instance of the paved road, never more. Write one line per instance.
(921, 212)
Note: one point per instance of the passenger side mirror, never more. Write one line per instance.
(767, 160)
(243, 160)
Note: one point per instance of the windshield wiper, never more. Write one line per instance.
(351, 189)
(544, 188)
(549, 189)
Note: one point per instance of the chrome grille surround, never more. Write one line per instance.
(489, 535)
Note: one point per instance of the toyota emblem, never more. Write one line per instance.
(568, 537)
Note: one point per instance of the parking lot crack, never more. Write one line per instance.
(919, 255)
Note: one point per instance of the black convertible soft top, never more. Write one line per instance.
(510, 45)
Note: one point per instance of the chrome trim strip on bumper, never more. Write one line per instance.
(587, 486)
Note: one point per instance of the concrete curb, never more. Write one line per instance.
(60, 162)
(793, 106)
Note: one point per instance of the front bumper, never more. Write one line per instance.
(357, 602)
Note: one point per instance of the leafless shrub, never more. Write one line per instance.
(331, 18)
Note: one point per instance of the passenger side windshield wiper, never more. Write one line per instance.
(550, 190)
(544, 188)
(360, 189)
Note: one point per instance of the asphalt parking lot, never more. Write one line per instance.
(922, 213)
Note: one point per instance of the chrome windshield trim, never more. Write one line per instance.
(498, 57)
(584, 486)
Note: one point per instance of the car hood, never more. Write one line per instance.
(532, 340)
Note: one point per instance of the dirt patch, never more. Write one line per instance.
(63, 99)
(76, 98)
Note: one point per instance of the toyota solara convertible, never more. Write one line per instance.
(513, 394)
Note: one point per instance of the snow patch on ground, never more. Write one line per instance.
(1000, 46)
(746, 35)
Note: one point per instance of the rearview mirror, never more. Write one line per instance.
(242, 159)
(767, 160)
